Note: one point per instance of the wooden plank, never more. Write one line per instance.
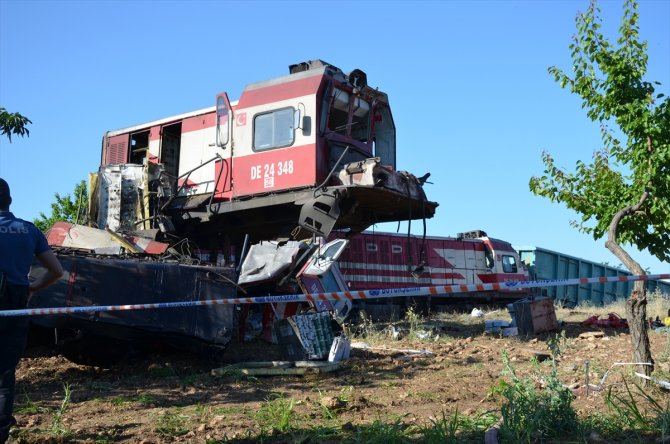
(327, 367)
(278, 368)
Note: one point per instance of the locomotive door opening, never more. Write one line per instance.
(169, 151)
(224, 135)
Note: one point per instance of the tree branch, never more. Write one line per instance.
(612, 243)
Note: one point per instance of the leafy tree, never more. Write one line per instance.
(624, 193)
(66, 208)
(13, 123)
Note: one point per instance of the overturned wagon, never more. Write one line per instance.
(109, 303)
(105, 336)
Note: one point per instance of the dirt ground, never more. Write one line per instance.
(173, 397)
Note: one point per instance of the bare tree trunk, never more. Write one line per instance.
(636, 305)
(636, 312)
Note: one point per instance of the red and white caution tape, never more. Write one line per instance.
(439, 290)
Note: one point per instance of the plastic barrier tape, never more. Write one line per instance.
(437, 290)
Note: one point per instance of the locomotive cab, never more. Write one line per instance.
(356, 117)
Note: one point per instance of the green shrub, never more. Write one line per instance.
(532, 411)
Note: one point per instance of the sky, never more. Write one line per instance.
(471, 97)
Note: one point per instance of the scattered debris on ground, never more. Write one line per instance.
(155, 398)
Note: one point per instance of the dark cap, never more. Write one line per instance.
(5, 196)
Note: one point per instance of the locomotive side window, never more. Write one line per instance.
(274, 129)
(509, 264)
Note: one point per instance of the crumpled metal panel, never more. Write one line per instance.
(123, 195)
(370, 172)
(118, 194)
(81, 237)
(90, 281)
(267, 261)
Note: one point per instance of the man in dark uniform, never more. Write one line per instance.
(20, 243)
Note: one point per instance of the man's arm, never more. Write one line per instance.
(54, 271)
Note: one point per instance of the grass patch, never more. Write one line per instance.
(222, 411)
(452, 428)
(57, 417)
(665, 354)
(145, 400)
(29, 407)
(383, 432)
(636, 410)
(365, 328)
(277, 414)
(657, 306)
(107, 436)
(330, 407)
(530, 413)
(427, 395)
(172, 425)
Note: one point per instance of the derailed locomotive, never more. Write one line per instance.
(314, 149)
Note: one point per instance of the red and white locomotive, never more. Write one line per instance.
(314, 148)
(387, 260)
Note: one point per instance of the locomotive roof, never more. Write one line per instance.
(315, 69)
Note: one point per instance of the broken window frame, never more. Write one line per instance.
(332, 99)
